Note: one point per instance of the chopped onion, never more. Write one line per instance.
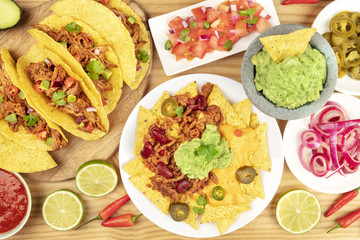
(203, 9)
(120, 17)
(172, 31)
(56, 83)
(250, 25)
(318, 165)
(263, 13)
(250, 2)
(217, 34)
(138, 68)
(232, 31)
(47, 61)
(304, 155)
(97, 51)
(233, 7)
(91, 109)
(203, 37)
(235, 17)
(79, 120)
(30, 110)
(181, 41)
(311, 139)
(184, 23)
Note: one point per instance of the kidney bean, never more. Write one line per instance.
(182, 185)
(159, 135)
(197, 103)
(147, 150)
(164, 170)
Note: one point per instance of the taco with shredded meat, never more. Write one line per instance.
(88, 54)
(120, 26)
(60, 94)
(20, 121)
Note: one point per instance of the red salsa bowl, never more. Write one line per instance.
(15, 203)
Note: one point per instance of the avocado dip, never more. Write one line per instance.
(196, 158)
(292, 82)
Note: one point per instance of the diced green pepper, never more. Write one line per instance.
(45, 84)
(131, 20)
(207, 24)
(22, 95)
(71, 98)
(106, 74)
(49, 141)
(168, 45)
(64, 44)
(11, 118)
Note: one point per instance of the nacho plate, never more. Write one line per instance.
(234, 92)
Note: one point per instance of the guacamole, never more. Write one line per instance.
(292, 82)
(196, 158)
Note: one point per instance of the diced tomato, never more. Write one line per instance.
(89, 127)
(105, 2)
(258, 7)
(38, 88)
(179, 51)
(224, 7)
(262, 24)
(241, 29)
(12, 90)
(212, 14)
(69, 82)
(199, 49)
(173, 38)
(224, 20)
(42, 134)
(243, 4)
(214, 42)
(234, 38)
(176, 24)
(198, 13)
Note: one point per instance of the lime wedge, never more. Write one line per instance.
(62, 210)
(96, 178)
(298, 211)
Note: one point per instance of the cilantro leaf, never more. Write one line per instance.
(143, 56)
(203, 150)
(212, 149)
(95, 68)
(187, 39)
(93, 76)
(193, 24)
(201, 200)
(249, 13)
(184, 33)
(31, 120)
(196, 210)
(201, 211)
(228, 45)
(179, 111)
(71, 27)
(58, 98)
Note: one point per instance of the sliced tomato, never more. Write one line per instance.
(258, 8)
(198, 13)
(234, 38)
(176, 24)
(262, 24)
(173, 38)
(12, 90)
(199, 49)
(243, 4)
(212, 14)
(89, 127)
(69, 82)
(38, 88)
(241, 28)
(42, 134)
(214, 42)
(179, 51)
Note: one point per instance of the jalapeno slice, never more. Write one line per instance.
(245, 174)
(342, 26)
(342, 72)
(179, 211)
(351, 50)
(340, 56)
(218, 193)
(169, 106)
(328, 36)
(338, 41)
(343, 14)
(355, 72)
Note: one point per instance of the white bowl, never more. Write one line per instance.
(24, 220)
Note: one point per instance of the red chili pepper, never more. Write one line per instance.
(108, 210)
(126, 220)
(346, 221)
(347, 197)
(288, 2)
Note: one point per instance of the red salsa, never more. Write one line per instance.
(13, 201)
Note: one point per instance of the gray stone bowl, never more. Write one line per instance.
(268, 107)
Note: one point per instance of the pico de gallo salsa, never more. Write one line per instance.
(212, 29)
(13, 201)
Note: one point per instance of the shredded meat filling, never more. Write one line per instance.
(20, 107)
(41, 71)
(190, 127)
(81, 46)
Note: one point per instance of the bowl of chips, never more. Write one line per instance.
(289, 71)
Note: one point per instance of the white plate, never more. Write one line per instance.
(292, 133)
(234, 92)
(346, 84)
(159, 29)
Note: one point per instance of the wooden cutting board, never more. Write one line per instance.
(78, 151)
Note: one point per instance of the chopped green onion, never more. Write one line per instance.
(184, 33)
(207, 24)
(11, 118)
(187, 39)
(131, 20)
(168, 45)
(71, 98)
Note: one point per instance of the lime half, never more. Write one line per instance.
(298, 211)
(62, 210)
(96, 178)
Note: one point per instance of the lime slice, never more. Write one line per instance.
(62, 210)
(298, 211)
(96, 178)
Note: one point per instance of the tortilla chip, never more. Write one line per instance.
(191, 89)
(192, 218)
(280, 47)
(254, 121)
(243, 109)
(38, 53)
(224, 216)
(135, 167)
(231, 117)
(254, 188)
(116, 78)
(145, 120)
(90, 12)
(13, 157)
(156, 109)
(261, 158)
